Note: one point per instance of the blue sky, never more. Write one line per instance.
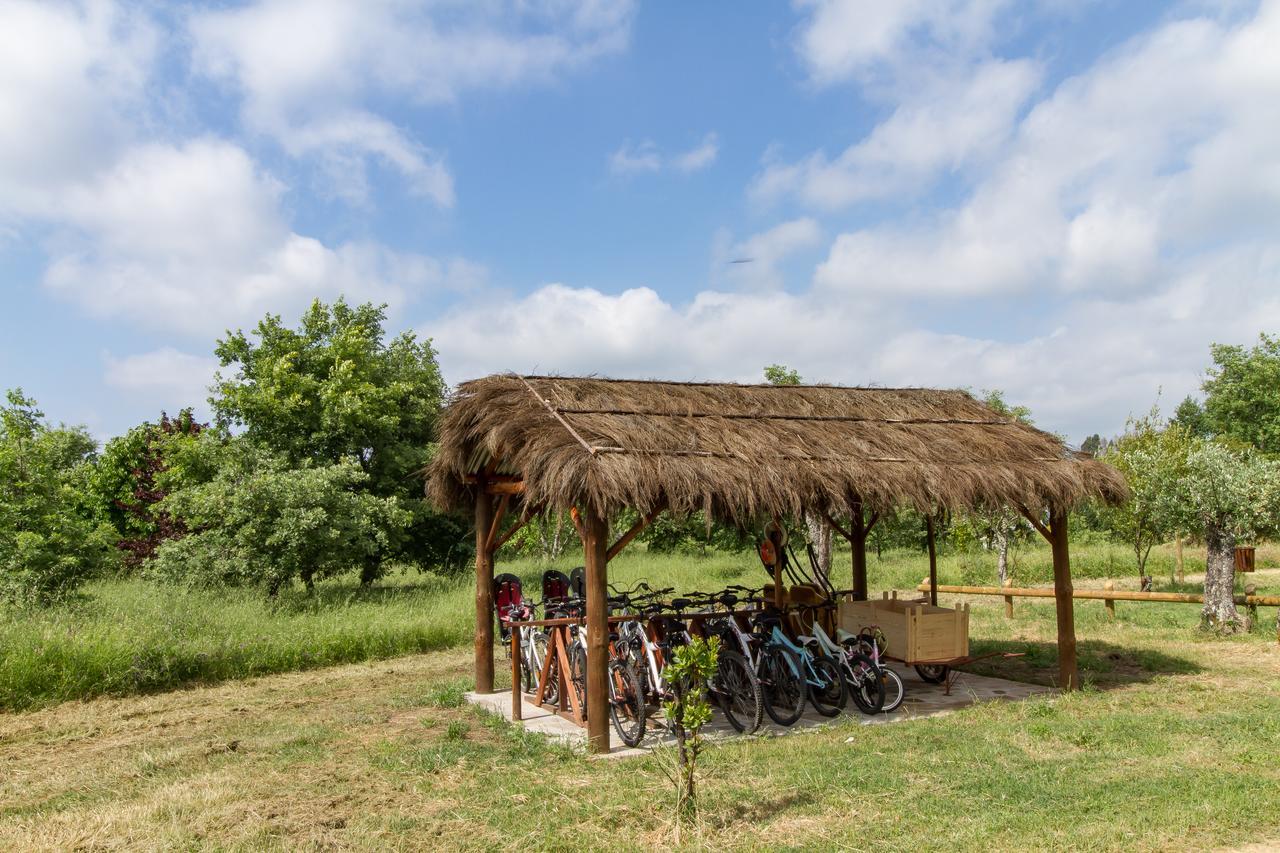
(1065, 200)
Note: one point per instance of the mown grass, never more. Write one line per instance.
(123, 637)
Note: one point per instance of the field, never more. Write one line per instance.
(1171, 745)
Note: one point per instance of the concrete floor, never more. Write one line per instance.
(922, 700)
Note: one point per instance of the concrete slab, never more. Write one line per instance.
(922, 700)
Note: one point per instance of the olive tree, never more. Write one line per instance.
(1227, 492)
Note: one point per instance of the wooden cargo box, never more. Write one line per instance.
(916, 632)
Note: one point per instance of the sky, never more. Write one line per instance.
(1067, 200)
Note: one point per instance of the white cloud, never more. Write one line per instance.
(190, 239)
(306, 67)
(944, 126)
(644, 157)
(752, 264)
(166, 377)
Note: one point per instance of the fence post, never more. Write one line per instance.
(1008, 600)
(1110, 602)
(1252, 589)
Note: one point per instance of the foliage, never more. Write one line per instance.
(1190, 416)
(1240, 393)
(691, 667)
(49, 543)
(1210, 485)
(780, 374)
(332, 389)
(692, 535)
(1150, 455)
(125, 485)
(258, 521)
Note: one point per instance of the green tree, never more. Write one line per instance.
(49, 543)
(780, 374)
(1191, 417)
(125, 484)
(260, 521)
(1000, 525)
(1149, 454)
(691, 667)
(334, 389)
(1229, 493)
(1241, 397)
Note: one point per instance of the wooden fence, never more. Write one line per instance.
(1110, 595)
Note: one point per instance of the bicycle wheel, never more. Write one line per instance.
(578, 675)
(934, 673)
(551, 695)
(828, 695)
(894, 690)
(737, 690)
(626, 705)
(782, 685)
(866, 684)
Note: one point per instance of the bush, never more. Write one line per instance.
(48, 543)
(257, 522)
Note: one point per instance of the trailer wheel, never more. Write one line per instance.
(934, 673)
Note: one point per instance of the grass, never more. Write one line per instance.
(1172, 746)
(124, 637)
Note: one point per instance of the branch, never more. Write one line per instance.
(1035, 522)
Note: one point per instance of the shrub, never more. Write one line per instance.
(258, 522)
(48, 543)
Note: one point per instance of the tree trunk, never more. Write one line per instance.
(1002, 557)
(820, 536)
(1177, 559)
(1219, 613)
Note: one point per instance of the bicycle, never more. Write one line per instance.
(871, 642)
(734, 687)
(864, 681)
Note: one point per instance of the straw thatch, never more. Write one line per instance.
(751, 451)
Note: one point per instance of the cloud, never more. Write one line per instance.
(306, 68)
(752, 264)
(942, 127)
(167, 377)
(644, 157)
(190, 239)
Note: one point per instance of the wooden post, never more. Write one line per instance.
(1008, 600)
(1068, 675)
(517, 703)
(484, 593)
(1110, 602)
(1252, 589)
(595, 545)
(933, 561)
(858, 544)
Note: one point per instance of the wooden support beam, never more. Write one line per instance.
(505, 488)
(933, 561)
(496, 524)
(484, 596)
(1035, 522)
(1068, 675)
(594, 546)
(625, 539)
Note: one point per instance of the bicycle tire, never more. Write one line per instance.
(626, 706)
(829, 696)
(866, 684)
(894, 690)
(578, 676)
(782, 684)
(737, 691)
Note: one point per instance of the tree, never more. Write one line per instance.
(819, 530)
(332, 389)
(1241, 399)
(1093, 445)
(260, 521)
(1230, 494)
(1000, 524)
(49, 542)
(1149, 455)
(692, 666)
(1190, 416)
(125, 485)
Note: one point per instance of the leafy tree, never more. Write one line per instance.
(1191, 417)
(691, 667)
(1000, 525)
(332, 389)
(1241, 399)
(1228, 492)
(49, 543)
(259, 521)
(1148, 454)
(780, 374)
(126, 486)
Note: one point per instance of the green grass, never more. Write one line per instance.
(123, 637)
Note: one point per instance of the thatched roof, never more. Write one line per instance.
(750, 451)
